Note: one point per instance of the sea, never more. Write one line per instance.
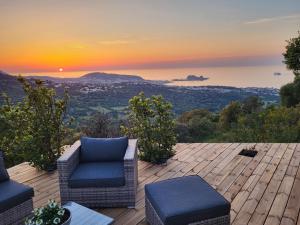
(246, 76)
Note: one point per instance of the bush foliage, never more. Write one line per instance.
(101, 125)
(33, 129)
(151, 121)
(235, 124)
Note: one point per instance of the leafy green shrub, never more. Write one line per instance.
(33, 130)
(47, 123)
(15, 138)
(151, 121)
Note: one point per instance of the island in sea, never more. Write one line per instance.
(277, 74)
(193, 78)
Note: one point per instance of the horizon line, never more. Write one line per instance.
(243, 61)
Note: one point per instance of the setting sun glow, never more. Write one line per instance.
(105, 35)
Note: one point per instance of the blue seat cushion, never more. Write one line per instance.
(185, 200)
(3, 172)
(13, 194)
(103, 149)
(105, 174)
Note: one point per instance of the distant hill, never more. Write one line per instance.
(95, 77)
(110, 77)
(10, 85)
(5, 76)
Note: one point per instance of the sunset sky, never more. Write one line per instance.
(46, 35)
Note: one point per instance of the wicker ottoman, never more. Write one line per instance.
(185, 200)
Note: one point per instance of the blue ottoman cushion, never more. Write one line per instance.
(185, 200)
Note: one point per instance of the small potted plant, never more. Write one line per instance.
(50, 214)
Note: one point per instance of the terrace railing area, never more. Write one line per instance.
(262, 190)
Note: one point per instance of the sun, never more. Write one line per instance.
(60, 69)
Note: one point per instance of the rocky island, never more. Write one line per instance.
(193, 78)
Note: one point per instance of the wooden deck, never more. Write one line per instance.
(262, 190)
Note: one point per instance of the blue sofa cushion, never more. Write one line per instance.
(185, 200)
(103, 149)
(13, 194)
(105, 174)
(3, 172)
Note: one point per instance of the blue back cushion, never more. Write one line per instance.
(3, 172)
(103, 149)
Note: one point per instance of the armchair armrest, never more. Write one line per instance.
(131, 164)
(68, 161)
(131, 151)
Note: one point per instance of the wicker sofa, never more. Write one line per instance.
(88, 183)
(15, 199)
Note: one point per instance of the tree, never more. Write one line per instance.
(290, 93)
(101, 125)
(47, 116)
(229, 115)
(249, 128)
(282, 124)
(151, 121)
(196, 125)
(36, 126)
(272, 124)
(292, 55)
(201, 128)
(183, 133)
(252, 104)
(200, 113)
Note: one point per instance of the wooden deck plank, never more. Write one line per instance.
(245, 175)
(280, 201)
(292, 209)
(262, 190)
(245, 213)
(241, 197)
(221, 171)
(265, 203)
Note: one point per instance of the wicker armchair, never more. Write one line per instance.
(96, 197)
(15, 199)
